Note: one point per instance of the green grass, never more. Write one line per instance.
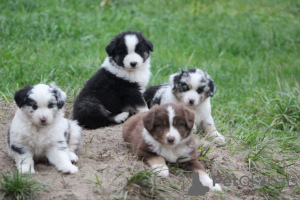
(250, 48)
(19, 186)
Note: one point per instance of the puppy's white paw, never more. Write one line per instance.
(207, 181)
(69, 169)
(25, 168)
(160, 169)
(143, 109)
(218, 138)
(121, 117)
(73, 156)
(217, 187)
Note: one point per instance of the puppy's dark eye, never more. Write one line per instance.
(50, 105)
(160, 125)
(179, 124)
(200, 89)
(141, 48)
(121, 51)
(34, 106)
(185, 87)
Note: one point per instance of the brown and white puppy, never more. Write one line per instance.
(165, 133)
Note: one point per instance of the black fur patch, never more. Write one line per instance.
(156, 101)
(200, 89)
(19, 150)
(149, 95)
(31, 102)
(183, 87)
(143, 47)
(22, 95)
(105, 94)
(67, 136)
(211, 86)
(177, 84)
(193, 70)
(51, 105)
(60, 103)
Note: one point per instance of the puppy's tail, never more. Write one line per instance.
(75, 139)
(90, 113)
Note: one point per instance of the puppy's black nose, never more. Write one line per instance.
(170, 139)
(133, 64)
(43, 119)
(191, 101)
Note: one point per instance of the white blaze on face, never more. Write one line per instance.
(173, 132)
(131, 41)
(192, 94)
(132, 57)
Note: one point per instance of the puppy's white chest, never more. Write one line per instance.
(39, 143)
(178, 154)
(37, 140)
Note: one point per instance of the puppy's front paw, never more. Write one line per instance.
(69, 169)
(217, 187)
(121, 117)
(143, 109)
(26, 169)
(208, 182)
(160, 169)
(73, 156)
(218, 138)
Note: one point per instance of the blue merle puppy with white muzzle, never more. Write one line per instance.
(39, 130)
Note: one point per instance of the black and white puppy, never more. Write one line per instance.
(116, 89)
(193, 88)
(39, 130)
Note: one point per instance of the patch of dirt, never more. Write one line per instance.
(104, 154)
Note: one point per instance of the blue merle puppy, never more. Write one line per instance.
(39, 130)
(193, 88)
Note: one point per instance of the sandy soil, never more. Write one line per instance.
(104, 154)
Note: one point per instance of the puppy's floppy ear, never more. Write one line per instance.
(149, 44)
(148, 119)
(175, 79)
(189, 117)
(59, 95)
(211, 86)
(22, 95)
(111, 46)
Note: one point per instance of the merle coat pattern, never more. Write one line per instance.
(40, 131)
